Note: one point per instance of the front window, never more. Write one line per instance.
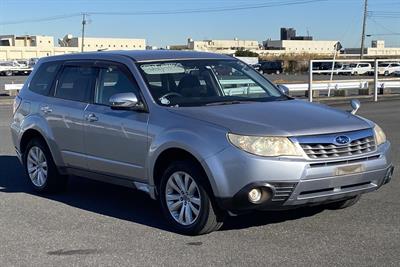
(206, 82)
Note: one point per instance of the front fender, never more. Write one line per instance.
(202, 141)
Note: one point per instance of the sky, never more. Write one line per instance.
(250, 19)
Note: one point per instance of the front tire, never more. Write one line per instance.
(344, 203)
(186, 201)
(40, 168)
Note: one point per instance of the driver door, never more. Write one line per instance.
(115, 140)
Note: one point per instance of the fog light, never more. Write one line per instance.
(255, 195)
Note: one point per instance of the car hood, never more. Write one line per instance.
(278, 118)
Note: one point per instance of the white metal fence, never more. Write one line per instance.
(378, 82)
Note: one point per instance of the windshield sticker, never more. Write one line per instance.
(164, 68)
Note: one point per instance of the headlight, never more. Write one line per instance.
(380, 136)
(265, 146)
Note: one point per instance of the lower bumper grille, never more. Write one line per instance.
(282, 191)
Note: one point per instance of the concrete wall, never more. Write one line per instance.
(386, 51)
(10, 53)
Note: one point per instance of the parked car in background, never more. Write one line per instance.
(358, 68)
(9, 68)
(6, 68)
(388, 68)
(203, 133)
(269, 67)
(257, 67)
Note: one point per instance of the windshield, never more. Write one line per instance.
(384, 65)
(206, 82)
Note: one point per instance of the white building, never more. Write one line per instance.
(26, 41)
(36, 46)
(218, 46)
(299, 46)
(378, 49)
(94, 43)
(30, 46)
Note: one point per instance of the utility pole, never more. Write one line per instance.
(83, 30)
(363, 28)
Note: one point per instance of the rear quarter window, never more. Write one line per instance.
(42, 81)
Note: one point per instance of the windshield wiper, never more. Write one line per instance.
(231, 102)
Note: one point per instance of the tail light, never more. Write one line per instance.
(17, 103)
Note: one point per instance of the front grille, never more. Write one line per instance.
(341, 162)
(330, 150)
(282, 191)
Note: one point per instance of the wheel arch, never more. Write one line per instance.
(27, 136)
(172, 154)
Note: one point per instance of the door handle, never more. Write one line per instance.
(46, 109)
(91, 117)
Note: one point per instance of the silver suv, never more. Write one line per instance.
(205, 134)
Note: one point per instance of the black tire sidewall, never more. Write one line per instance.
(205, 201)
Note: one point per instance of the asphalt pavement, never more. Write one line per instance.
(96, 224)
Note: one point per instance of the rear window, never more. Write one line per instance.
(44, 77)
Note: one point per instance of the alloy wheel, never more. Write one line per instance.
(37, 166)
(183, 198)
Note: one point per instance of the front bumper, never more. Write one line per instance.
(295, 182)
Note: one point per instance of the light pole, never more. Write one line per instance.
(83, 30)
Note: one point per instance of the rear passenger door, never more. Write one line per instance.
(116, 140)
(64, 112)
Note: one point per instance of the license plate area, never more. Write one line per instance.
(349, 169)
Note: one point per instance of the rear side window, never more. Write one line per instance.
(75, 83)
(44, 77)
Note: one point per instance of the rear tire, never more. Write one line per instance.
(187, 192)
(344, 203)
(40, 168)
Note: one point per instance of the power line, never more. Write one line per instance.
(59, 17)
(211, 10)
(170, 12)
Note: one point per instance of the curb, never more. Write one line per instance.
(7, 101)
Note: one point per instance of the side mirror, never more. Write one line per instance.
(355, 105)
(283, 89)
(126, 101)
